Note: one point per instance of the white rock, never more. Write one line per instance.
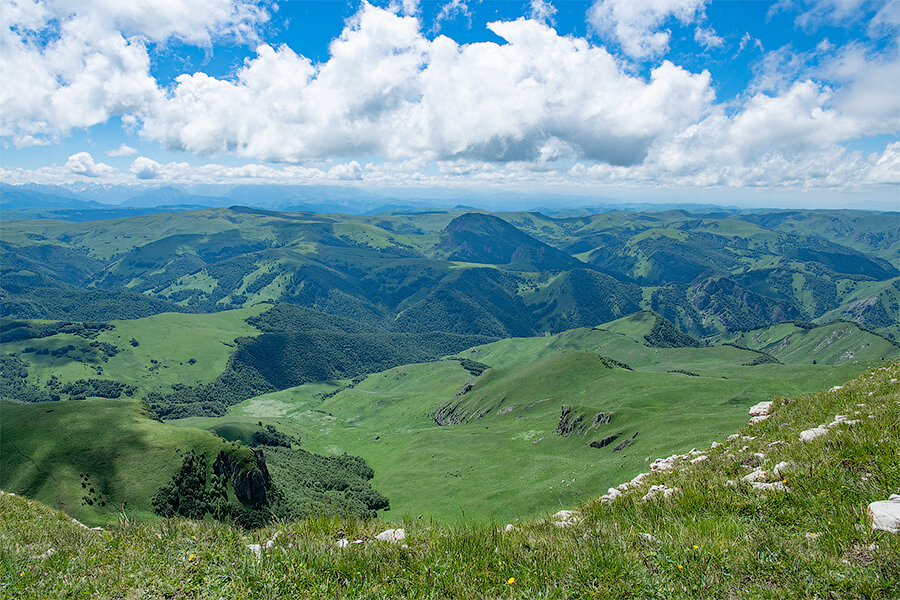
(255, 549)
(760, 410)
(656, 491)
(269, 544)
(885, 514)
(391, 535)
(509, 527)
(699, 459)
(759, 455)
(836, 388)
(811, 434)
(781, 468)
(637, 479)
(733, 437)
(768, 487)
(649, 538)
(611, 495)
(565, 515)
(343, 543)
(756, 475)
(715, 445)
(755, 420)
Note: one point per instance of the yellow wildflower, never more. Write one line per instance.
(510, 581)
(190, 558)
(696, 547)
(680, 566)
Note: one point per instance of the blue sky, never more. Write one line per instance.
(717, 99)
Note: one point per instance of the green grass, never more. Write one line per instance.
(711, 539)
(831, 344)
(172, 339)
(511, 463)
(125, 452)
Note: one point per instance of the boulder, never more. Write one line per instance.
(760, 410)
(391, 535)
(885, 515)
(811, 434)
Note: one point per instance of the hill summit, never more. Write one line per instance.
(486, 239)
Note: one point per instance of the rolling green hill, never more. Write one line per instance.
(509, 274)
(443, 439)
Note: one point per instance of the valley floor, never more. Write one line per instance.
(717, 535)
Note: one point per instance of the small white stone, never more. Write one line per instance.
(391, 535)
(836, 388)
(255, 549)
(811, 434)
(756, 475)
(781, 468)
(699, 459)
(768, 487)
(755, 420)
(885, 515)
(509, 527)
(760, 410)
(343, 543)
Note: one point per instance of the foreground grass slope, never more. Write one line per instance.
(711, 539)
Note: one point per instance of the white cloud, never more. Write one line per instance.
(636, 24)
(389, 91)
(64, 68)
(122, 150)
(347, 171)
(83, 163)
(707, 37)
(145, 168)
(449, 11)
(543, 11)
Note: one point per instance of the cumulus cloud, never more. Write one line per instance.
(434, 111)
(122, 150)
(145, 168)
(83, 163)
(347, 171)
(636, 24)
(64, 68)
(390, 91)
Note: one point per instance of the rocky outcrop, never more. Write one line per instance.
(626, 443)
(250, 483)
(571, 421)
(605, 441)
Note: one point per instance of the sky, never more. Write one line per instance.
(743, 101)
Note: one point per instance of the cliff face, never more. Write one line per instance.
(250, 484)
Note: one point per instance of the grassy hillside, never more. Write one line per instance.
(497, 453)
(804, 343)
(187, 349)
(113, 452)
(465, 272)
(715, 537)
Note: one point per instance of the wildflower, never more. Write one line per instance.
(22, 574)
(190, 558)
(510, 581)
(696, 547)
(680, 566)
